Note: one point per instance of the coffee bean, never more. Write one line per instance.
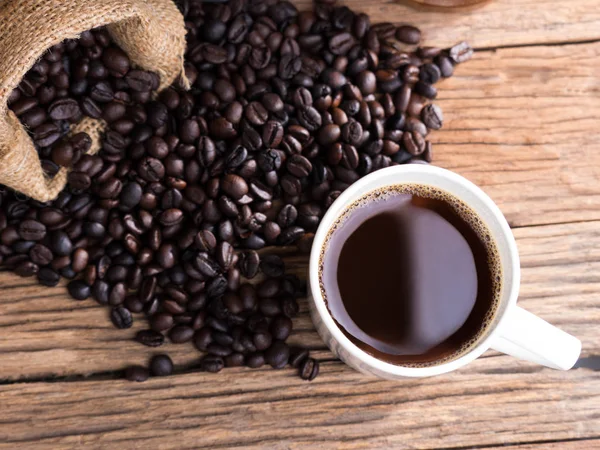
(161, 322)
(206, 265)
(299, 166)
(40, 254)
(224, 255)
(79, 290)
(413, 143)
(461, 52)
(256, 113)
(181, 333)
(205, 241)
(408, 34)
(426, 90)
(309, 369)
(297, 356)
(151, 169)
(32, 230)
(249, 264)
(329, 134)
(211, 363)
(272, 134)
(445, 64)
(341, 43)
(48, 277)
(139, 80)
(161, 366)
(432, 116)
(277, 355)
(171, 217)
(309, 118)
(121, 317)
(281, 327)
(234, 186)
(150, 338)
(63, 109)
(272, 266)
(255, 360)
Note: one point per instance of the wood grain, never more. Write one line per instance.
(520, 122)
(494, 401)
(492, 24)
(45, 333)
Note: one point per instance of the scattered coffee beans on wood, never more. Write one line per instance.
(286, 110)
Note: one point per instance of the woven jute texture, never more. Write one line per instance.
(151, 32)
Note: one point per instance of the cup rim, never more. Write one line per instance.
(358, 190)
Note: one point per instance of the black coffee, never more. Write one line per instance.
(409, 273)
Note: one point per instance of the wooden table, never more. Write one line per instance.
(523, 122)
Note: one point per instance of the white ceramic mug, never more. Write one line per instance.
(515, 331)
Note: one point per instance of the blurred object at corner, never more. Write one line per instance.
(450, 3)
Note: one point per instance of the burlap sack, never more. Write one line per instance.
(152, 32)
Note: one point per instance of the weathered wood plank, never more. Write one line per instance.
(588, 444)
(495, 23)
(44, 333)
(486, 404)
(520, 123)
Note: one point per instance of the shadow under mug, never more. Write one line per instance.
(514, 330)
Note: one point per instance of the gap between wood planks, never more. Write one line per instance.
(537, 44)
(541, 443)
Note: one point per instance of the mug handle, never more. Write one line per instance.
(526, 336)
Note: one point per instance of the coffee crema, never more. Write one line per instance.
(411, 275)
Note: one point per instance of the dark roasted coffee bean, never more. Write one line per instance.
(249, 263)
(137, 373)
(272, 134)
(309, 118)
(211, 363)
(78, 290)
(408, 34)
(100, 291)
(425, 90)
(234, 186)
(255, 360)
(48, 277)
(309, 369)
(60, 243)
(432, 116)
(224, 254)
(161, 366)
(299, 166)
(289, 307)
(297, 356)
(161, 321)
(277, 355)
(181, 333)
(206, 265)
(32, 230)
(413, 142)
(329, 134)
(281, 327)
(139, 80)
(341, 43)
(63, 109)
(272, 266)
(150, 338)
(256, 113)
(205, 241)
(429, 73)
(445, 65)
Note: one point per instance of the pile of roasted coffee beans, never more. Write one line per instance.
(286, 110)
